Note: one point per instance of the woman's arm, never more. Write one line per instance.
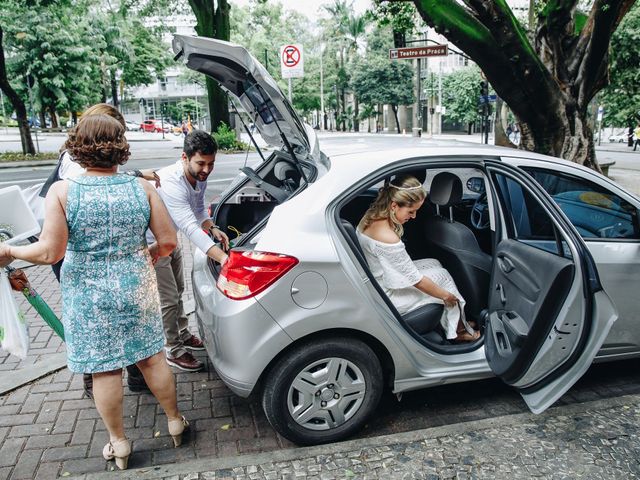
(53, 239)
(160, 223)
(429, 287)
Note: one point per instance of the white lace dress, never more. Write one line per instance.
(397, 274)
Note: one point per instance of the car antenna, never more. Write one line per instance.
(235, 109)
(284, 139)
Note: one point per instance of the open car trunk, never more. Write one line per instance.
(242, 210)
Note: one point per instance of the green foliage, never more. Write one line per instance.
(226, 139)
(377, 80)
(7, 122)
(400, 16)
(74, 50)
(19, 156)
(621, 98)
(460, 94)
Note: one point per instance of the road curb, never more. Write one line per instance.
(26, 164)
(208, 464)
(17, 378)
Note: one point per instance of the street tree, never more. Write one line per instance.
(621, 98)
(212, 18)
(262, 28)
(377, 80)
(547, 75)
(16, 102)
(460, 95)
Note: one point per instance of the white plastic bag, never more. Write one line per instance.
(14, 335)
(35, 201)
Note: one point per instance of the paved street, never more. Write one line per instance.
(475, 430)
(597, 439)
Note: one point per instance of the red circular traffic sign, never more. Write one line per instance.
(290, 56)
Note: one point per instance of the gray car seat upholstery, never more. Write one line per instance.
(455, 245)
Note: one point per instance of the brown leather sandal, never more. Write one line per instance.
(464, 336)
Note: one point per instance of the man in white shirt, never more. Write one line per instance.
(182, 188)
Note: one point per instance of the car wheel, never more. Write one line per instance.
(322, 391)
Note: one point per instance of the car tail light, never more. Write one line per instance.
(247, 272)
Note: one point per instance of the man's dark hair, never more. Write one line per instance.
(199, 141)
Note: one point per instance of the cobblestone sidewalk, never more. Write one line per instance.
(599, 439)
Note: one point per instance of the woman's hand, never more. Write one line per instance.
(220, 236)
(151, 175)
(154, 252)
(450, 300)
(5, 257)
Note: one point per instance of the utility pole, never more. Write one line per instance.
(440, 97)
(485, 111)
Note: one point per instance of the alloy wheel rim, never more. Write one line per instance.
(326, 394)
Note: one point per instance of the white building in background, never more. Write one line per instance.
(146, 102)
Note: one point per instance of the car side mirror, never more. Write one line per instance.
(475, 184)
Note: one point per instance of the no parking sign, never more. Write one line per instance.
(291, 61)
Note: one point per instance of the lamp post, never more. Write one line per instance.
(322, 119)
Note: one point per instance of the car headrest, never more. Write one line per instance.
(446, 189)
(283, 171)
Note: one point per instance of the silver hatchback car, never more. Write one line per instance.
(545, 253)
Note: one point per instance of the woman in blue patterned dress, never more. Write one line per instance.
(111, 307)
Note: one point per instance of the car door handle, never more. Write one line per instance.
(503, 298)
(505, 264)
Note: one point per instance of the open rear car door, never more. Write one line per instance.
(548, 313)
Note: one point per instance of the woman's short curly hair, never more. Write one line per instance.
(98, 141)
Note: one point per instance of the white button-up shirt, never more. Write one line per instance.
(185, 204)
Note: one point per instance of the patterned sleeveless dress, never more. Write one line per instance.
(110, 302)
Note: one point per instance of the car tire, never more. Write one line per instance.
(349, 396)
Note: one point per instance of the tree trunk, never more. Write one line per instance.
(54, 117)
(114, 87)
(500, 136)
(573, 139)
(43, 118)
(74, 117)
(214, 24)
(394, 107)
(356, 111)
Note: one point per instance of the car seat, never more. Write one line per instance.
(456, 247)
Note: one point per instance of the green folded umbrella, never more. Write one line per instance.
(42, 308)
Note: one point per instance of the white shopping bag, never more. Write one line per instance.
(35, 201)
(14, 335)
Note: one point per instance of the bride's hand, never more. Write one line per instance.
(450, 300)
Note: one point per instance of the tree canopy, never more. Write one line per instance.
(621, 98)
(547, 74)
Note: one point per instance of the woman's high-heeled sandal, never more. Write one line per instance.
(176, 428)
(120, 450)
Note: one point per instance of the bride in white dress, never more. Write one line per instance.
(409, 284)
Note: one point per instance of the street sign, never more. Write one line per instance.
(600, 112)
(291, 61)
(419, 52)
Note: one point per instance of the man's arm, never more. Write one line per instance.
(177, 202)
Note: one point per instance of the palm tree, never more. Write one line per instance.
(355, 30)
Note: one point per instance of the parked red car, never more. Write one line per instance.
(151, 126)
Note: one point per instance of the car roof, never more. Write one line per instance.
(353, 157)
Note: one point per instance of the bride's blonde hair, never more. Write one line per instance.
(405, 191)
